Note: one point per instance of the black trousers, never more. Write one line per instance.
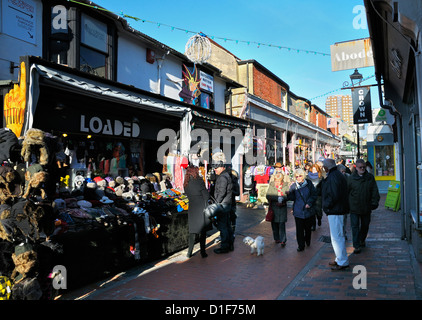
(303, 231)
(225, 228)
(360, 227)
(202, 239)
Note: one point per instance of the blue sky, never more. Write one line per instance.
(309, 25)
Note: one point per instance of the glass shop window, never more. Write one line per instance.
(384, 161)
(93, 52)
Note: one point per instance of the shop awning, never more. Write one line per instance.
(219, 120)
(108, 92)
(80, 85)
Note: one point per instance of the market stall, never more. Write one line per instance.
(97, 226)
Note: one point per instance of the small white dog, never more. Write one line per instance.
(257, 244)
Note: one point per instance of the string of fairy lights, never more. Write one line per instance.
(336, 90)
(225, 39)
(213, 37)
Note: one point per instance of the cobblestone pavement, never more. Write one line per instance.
(280, 274)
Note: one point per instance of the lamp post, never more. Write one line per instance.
(356, 79)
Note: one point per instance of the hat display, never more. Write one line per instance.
(106, 200)
(84, 204)
(60, 203)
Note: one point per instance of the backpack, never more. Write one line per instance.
(8, 144)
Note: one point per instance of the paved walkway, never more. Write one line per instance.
(281, 274)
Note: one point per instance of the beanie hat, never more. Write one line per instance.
(218, 159)
(329, 163)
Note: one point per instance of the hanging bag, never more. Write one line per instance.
(212, 211)
(270, 214)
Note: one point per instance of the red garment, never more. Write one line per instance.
(262, 178)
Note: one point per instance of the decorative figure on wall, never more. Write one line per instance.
(190, 87)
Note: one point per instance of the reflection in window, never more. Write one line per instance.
(384, 161)
(92, 61)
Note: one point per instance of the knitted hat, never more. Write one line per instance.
(329, 163)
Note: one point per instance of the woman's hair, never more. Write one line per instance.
(318, 169)
(191, 173)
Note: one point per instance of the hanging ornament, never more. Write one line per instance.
(198, 48)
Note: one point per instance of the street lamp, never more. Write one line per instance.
(356, 79)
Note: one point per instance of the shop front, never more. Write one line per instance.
(382, 155)
(102, 147)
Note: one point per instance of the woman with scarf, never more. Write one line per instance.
(277, 198)
(302, 193)
(315, 175)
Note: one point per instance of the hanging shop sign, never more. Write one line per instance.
(96, 125)
(14, 104)
(351, 55)
(361, 100)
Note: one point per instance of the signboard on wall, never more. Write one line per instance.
(207, 81)
(94, 33)
(351, 55)
(19, 19)
(331, 123)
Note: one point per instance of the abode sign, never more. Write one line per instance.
(351, 55)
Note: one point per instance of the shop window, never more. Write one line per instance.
(79, 41)
(384, 161)
(92, 61)
(419, 164)
(93, 46)
(206, 100)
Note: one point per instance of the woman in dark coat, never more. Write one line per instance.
(303, 193)
(198, 199)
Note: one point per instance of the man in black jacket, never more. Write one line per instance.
(363, 198)
(223, 195)
(335, 204)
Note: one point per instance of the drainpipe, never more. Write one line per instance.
(159, 65)
(398, 117)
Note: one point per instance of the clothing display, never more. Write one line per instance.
(83, 216)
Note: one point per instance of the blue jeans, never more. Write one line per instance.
(338, 241)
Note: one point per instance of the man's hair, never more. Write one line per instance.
(361, 161)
